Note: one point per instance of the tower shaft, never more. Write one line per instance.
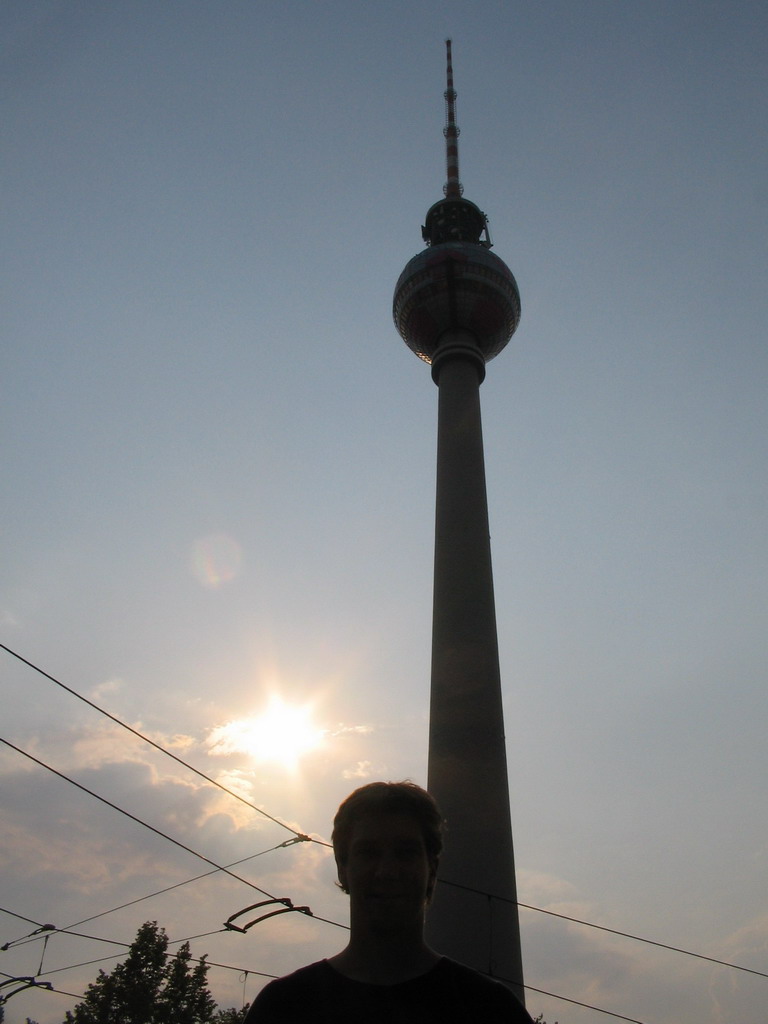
(467, 753)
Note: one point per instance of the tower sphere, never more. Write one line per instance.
(455, 296)
(456, 286)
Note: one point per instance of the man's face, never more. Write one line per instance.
(387, 873)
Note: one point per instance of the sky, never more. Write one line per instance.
(219, 462)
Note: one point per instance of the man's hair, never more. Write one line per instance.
(389, 798)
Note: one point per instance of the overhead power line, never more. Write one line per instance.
(123, 945)
(22, 983)
(298, 837)
(157, 746)
(650, 942)
(262, 974)
(587, 1006)
(21, 917)
(603, 928)
(159, 892)
(61, 992)
(227, 967)
(187, 881)
(163, 835)
(139, 821)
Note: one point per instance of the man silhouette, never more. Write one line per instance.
(387, 840)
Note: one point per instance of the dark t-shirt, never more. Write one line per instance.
(449, 993)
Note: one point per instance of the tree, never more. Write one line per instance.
(147, 988)
(231, 1016)
(185, 998)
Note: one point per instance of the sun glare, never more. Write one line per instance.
(282, 735)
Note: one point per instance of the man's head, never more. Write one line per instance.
(389, 799)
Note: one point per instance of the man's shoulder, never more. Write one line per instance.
(480, 989)
(305, 975)
(283, 992)
(448, 992)
(460, 974)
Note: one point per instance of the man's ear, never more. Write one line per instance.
(431, 881)
(342, 873)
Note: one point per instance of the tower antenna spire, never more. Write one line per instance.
(454, 218)
(453, 188)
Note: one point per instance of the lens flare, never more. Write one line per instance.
(216, 560)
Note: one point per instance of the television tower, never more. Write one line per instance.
(456, 306)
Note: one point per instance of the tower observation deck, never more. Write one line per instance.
(456, 305)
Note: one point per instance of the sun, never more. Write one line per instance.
(280, 735)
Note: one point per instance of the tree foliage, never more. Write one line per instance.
(231, 1016)
(148, 987)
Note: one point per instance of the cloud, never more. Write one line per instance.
(361, 770)
(95, 746)
(9, 619)
(345, 730)
(747, 946)
(541, 889)
(750, 942)
(108, 686)
(236, 781)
